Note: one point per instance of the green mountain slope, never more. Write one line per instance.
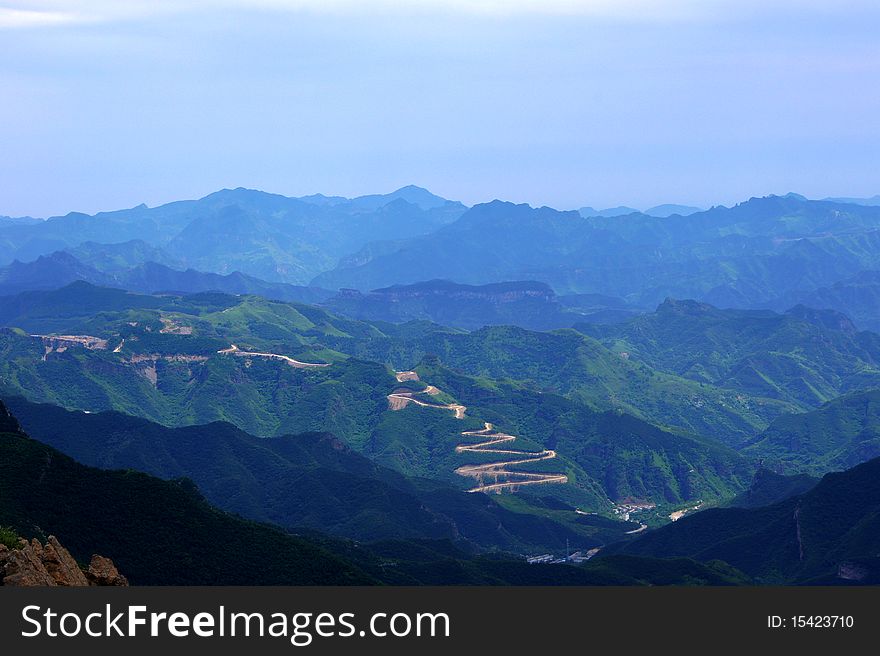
(164, 533)
(803, 358)
(348, 399)
(262, 396)
(829, 533)
(769, 487)
(857, 297)
(607, 453)
(840, 434)
(157, 532)
(166, 368)
(610, 376)
(581, 368)
(308, 481)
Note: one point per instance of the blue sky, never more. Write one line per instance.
(107, 104)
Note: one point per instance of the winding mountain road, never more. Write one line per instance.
(501, 472)
(234, 350)
(399, 399)
(502, 468)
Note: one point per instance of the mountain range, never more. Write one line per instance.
(661, 211)
(311, 481)
(154, 528)
(400, 389)
(169, 368)
(61, 268)
(749, 254)
(273, 237)
(532, 305)
(803, 357)
(771, 252)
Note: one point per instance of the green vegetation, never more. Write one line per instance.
(309, 481)
(264, 397)
(9, 538)
(566, 362)
(769, 487)
(156, 532)
(608, 455)
(150, 378)
(801, 359)
(569, 363)
(811, 537)
(840, 434)
(590, 401)
(163, 533)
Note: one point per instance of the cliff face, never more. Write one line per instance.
(522, 303)
(8, 423)
(35, 564)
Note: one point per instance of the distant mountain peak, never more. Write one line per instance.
(610, 212)
(420, 196)
(794, 196)
(824, 318)
(873, 200)
(410, 188)
(670, 209)
(244, 194)
(497, 202)
(58, 256)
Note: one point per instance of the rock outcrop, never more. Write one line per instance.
(35, 564)
(102, 571)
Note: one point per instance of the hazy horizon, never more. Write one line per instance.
(560, 103)
(391, 191)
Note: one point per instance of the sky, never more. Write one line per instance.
(105, 104)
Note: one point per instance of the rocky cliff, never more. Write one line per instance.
(522, 303)
(50, 564)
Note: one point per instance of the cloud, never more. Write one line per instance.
(48, 13)
(22, 18)
(31, 14)
(479, 7)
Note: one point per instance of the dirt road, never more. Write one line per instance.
(399, 399)
(501, 472)
(234, 350)
(510, 479)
